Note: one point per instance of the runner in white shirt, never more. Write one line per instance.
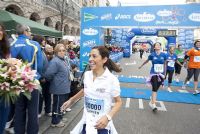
(100, 88)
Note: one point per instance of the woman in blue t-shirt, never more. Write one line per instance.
(157, 72)
(171, 60)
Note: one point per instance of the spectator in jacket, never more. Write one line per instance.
(58, 75)
(30, 51)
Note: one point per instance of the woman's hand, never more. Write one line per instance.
(102, 123)
(65, 105)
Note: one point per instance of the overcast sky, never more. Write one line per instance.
(146, 2)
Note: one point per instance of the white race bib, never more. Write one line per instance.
(181, 56)
(158, 68)
(94, 106)
(196, 58)
(171, 63)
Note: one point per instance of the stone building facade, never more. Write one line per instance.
(63, 15)
(48, 12)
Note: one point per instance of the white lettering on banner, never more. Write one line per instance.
(159, 68)
(145, 17)
(90, 31)
(89, 43)
(168, 22)
(148, 30)
(164, 13)
(127, 102)
(85, 54)
(194, 17)
(122, 17)
(196, 58)
(106, 16)
(141, 106)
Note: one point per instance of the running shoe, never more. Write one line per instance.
(188, 82)
(68, 110)
(10, 130)
(183, 86)
(169, 89)
(153, 106)
(177, 80)
(61, 124)
(196, 92)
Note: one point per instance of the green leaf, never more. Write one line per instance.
(27, 94)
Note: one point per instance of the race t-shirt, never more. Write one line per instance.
(171, 59)
(157, 62)
(98, 96)
(194, 61)
(180, 55)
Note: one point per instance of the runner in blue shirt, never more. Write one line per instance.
(171, 60)
(157, 72)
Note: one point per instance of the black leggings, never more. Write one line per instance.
(178, 68)
(155, 83)
(191, 72)
(170, 75)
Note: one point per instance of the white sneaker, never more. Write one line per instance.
(10, 130)
(68, 110)
(169, 89)
(196, 92)
(177, 80)
(153, 106)
(39, 115)
(183, 86)
(8, 124)
(188, 82)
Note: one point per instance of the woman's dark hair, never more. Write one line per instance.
(156, 43)
(104, 52)
(38, 38)
(4, 44)
(196, 42)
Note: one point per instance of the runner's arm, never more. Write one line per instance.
(178, 63)
(72, 100)
(116, 107)
(144, 63)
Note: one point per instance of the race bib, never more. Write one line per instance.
(94, 106)
(171, 63)
(196, 58)
(181, 56)
(158, 68)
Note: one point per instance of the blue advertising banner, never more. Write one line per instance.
(165, 15)
(162, 16)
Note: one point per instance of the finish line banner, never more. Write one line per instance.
(93, 20)
(187, 15)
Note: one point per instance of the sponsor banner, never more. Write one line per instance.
(90, 37)
(162, 15)
(186, 38)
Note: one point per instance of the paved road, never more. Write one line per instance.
(136, 117)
